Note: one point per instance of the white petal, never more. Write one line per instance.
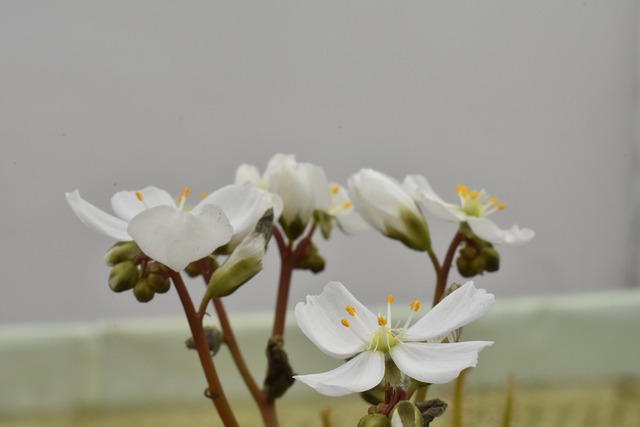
(248, 174)
(363, 372)
(242, 205)
(320, 320)
(97, 219)
(176, 238)
(127, 205)
(436, 363)
(462, 306)
(318, 185)
(431, 202)
(380, 199)
(489, 231)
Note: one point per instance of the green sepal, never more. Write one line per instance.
(311, 260)
(142, 291)
(293, 229)
(324, 221)
(407, 414)
(416, 234)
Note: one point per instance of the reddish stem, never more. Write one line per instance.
(443, 272)
(197, 332)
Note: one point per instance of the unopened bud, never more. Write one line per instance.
(406, 414)
(143, 291)
(431, 409)
(324, 222)
(122, 251)
(158, 283)
(311, 260)
(123, 276)
(374, 420)
(491, 258)
(415, 234)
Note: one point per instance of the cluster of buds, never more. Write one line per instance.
(477, 256)
(131, 270)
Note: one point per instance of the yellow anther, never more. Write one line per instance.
(382, 321)
(185, 192)
(334, 189)
(345, 323)
(350, 310)
(462, 190)
(347, 205)
(500, 207)
(139, 196)
(390, 299)
(415, 305)
(493, 201)
(473, 194)
(203, 196)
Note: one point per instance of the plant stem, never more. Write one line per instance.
(443, 272)
(206, 361)
(267, 409)
(458, 387)
(288, 260)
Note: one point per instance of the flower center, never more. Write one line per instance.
(338, 202)
(383, 336)
(477, 203)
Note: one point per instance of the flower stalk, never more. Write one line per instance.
(215, 390)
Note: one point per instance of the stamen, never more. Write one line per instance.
(493, 201)
(473, 194)
(139, 196)
(350, 310)
(389, 302)
(347, 204)
(501, 206)
(345, 323)
(415, 305)
(183, 197)
(203, 196)
(382, 321)
(334, 189)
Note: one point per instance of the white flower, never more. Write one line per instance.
(168, 233)
(473, 209)
(387, 206)
(301, 186)
(370, 340)
(342, 213)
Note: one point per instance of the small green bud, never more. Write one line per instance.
(478, 264)
(244, 263)
(374, 420)
(123, 276)
(143, 291)
(491, 258)
(122, 251)
(158, 283)
(464, 267)
(406, 414)
(311, 260)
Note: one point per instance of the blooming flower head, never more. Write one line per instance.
(474, 208)
(343, 328)
(301, 186)
(389, 207)
(169, 232)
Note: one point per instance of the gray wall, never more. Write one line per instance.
(536, 101)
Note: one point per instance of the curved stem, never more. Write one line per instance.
(206, 361)
(443, 273)
(458, 386)
(267, 409)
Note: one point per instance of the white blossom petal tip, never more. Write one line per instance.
(97, 219)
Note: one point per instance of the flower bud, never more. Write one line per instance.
(311, 260)
(491, 258)
(158, 283)
(122, 251)
(406, 414)
(244, 263)
(374, 420)
(123, 276)
(142, 291)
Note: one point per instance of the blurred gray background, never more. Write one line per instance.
(535, 101)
